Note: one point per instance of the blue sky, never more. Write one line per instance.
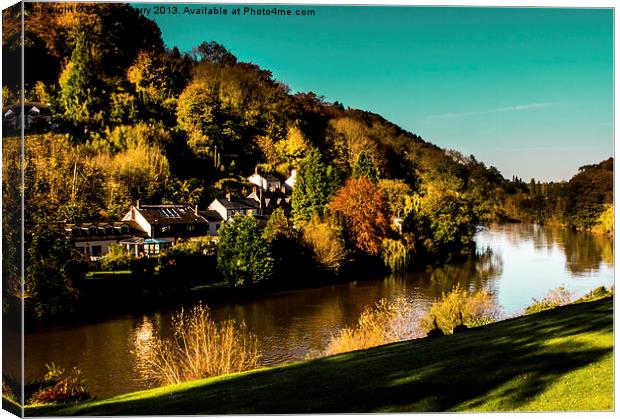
(529, 91)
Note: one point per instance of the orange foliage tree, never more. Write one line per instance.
(364, 210)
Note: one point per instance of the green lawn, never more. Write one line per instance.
(560, 359)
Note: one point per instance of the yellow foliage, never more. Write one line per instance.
(459, 307)
(325, 240)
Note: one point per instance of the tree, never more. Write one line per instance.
(362, 206)
(396, 192)
(243, 256)
(81, 88)
(316, 183)
(325, 240)
(277, 227)
(364, 167)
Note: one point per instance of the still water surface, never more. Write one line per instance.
(519, 262)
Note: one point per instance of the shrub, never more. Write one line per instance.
(70, 389)
(199, 348)
(377, 325)
(459, 307)
(596, 294)
(325, 240)
(555, 298)
(189, 261)
(116, 259)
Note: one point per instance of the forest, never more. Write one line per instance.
(134, 120)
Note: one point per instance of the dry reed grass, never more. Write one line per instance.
(199, 348)
(383, 323)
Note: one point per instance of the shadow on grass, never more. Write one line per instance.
(511, 361)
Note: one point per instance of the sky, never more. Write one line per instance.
(529, 91)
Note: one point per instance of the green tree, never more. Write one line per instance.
(82, 91)
(243, 255)
(315, 185)
(364, 167)
(277, 227)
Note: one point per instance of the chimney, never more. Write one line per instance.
(228, 196)
(254, 189)
(196, 210)
(138, 204)
(256, 169)
(260, 200)
(283, 189)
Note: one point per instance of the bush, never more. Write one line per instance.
(596, 294)
(199, 348)
(378, 325)
(555, 298)
(70, 389)
(116, 259)
(189, 261)
(325, 240)
(459, 307)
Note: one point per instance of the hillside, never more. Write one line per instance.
(560, 359)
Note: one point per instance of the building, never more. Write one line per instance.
(214, 219)
(289, 183)
(229, 207)
(38, 117)
(95, 239)
(163, 225)
(265, 182)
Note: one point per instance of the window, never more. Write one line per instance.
(75, 231)
(95, 251)
(217, 226)
(165, 229)
(191, 227)
(92, 230)
(125, 229)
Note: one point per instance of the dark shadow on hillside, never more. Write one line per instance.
(506, 360)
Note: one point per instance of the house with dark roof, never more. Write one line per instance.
(214, 219)
(95, 238)
(37, 116)
(164, 225)
(229, 207)
(265, 182)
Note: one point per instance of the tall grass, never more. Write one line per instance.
(383, 323)
(460, 307)
(555, 297)
(199, 348)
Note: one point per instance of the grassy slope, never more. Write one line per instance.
(556, 360)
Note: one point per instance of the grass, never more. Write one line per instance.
(561, 359)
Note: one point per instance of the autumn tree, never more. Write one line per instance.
(396, 192)
(361, 205)
(325, 240)
(316, 183)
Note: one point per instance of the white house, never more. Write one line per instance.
(265, 182)
(289, 183)
(228, 208)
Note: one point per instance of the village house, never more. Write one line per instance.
(228, 207)
(38, 116)
(164, 225)
(95, 239)
(265, 182)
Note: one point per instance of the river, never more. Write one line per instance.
(517, 262)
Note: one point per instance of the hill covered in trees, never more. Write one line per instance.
(134, 120)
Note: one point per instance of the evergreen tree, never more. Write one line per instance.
(315, 185)
(364, 167)
(243, 255)
(81, 88)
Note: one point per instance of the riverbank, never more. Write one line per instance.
(560, 359)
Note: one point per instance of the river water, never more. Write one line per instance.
(517, 262)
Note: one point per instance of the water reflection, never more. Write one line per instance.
(515, 263)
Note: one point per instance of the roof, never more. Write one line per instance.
(211, 215)
(16, 107)
(86, 234)
(238, 203)
(271, 178)
(170, 214)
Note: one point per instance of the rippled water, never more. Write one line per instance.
(517, 262)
